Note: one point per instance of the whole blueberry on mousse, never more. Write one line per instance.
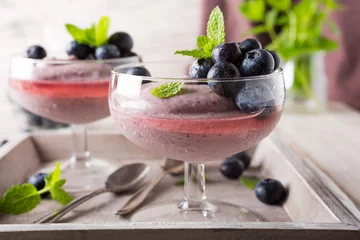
(226, 71)
(36, 52)
(254, 97)
(122, 41)
(38, 180)
(249, 44)
(257, 62)
(107, 52)
(276, 59)
(232, 169)
(270, 191)
(138, 71)
(242, 157)
(80, 51)
(227, 52)
(200, 68)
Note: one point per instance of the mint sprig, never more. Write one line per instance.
(96, 35)
(249, 182)
(167, 90)
(215, 36)
(21, 199)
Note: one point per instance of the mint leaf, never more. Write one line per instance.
(59, 194)
(216, 27)
(167, 90)
(19, 199)
(196, 53)
(281, 5)
(249, 182)
(54, 176)
(202, 41)
(102, 30)
(91, 34)
(77, 33)
(254, 10)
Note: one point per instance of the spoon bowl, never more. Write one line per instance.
(127, 177)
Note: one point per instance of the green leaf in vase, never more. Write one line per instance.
(281, 5)
(254, 10)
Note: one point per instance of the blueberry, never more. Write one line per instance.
(122, 41)
(242, 157)
(36, 52)
(139, 71)
(269, 109)
(38, 180)
(249, 44)
(232, 169)
(257, 62)
(128, 54)
(227, 52)
(200, 68)
(107, 52)
(276, 59)
(80, 51)
(224, 88)
(270, 191)
(254, 97)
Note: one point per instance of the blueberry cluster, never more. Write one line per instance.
(119, 45)
(233, 60)
(268, 191)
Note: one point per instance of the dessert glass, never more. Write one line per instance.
(195, 126)
(68, 91)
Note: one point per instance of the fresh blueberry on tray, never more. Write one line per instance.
(232, 169)
(38, 180)
(242, 157)
(270, 191)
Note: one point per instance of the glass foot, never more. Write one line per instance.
(173, 212)
(84, 176)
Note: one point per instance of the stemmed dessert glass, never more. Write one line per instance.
(195, 125)
(68, 91)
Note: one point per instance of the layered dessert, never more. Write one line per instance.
(71, 89)
(190, 126)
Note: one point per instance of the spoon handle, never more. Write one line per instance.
(140, 196)
(57, 214)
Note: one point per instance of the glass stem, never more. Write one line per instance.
(81, 155)
(194, 186)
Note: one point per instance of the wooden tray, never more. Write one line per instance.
(311, 211)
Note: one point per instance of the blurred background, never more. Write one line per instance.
(323, 36)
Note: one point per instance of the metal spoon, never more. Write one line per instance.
(124, 179)
(169, 166)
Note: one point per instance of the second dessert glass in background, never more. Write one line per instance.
(73, 92)
(196, 125)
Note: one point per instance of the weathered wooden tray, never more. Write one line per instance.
(311, 211)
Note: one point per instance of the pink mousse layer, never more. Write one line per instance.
(196, 126)
(73, 93)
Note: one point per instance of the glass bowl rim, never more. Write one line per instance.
(114, 72)
(65, 61)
